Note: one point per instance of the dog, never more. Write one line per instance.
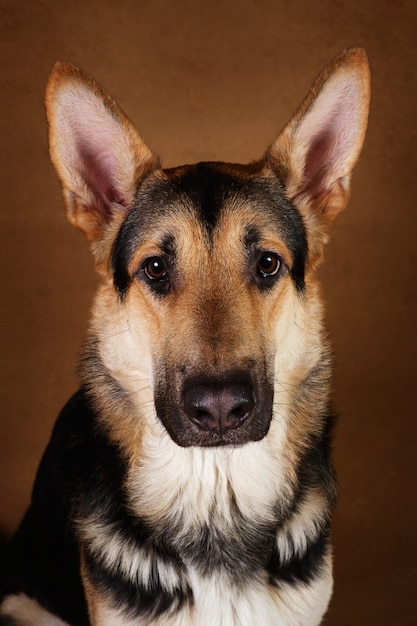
(189, 481)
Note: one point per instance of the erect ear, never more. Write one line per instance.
(315, 153)
(99, 157)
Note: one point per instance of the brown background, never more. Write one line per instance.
(217, 80)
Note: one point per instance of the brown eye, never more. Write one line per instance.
(268, 264)
(155, 269)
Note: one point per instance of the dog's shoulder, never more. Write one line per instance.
(79, 467)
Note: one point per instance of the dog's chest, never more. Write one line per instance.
(202, 540)
(203, 486)
(217, 602)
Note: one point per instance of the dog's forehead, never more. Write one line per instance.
(208, 191)
(206, 196)
(214, 188)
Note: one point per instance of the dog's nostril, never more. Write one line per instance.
(218, 407)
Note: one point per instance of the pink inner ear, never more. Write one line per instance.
(95, 151)
(330, 133)
(98, 167)
(317, 164)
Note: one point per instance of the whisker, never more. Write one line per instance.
(120, 332)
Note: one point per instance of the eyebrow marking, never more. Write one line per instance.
(252, 237)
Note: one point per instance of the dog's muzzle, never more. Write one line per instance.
(230, 409)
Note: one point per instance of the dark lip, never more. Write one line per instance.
(185, 433)
(193, 437)
(213, 442)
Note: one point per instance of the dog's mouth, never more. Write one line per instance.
(228, 410)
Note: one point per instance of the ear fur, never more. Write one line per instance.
(315, 153)
(99, 157)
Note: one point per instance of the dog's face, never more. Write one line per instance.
(212, 257)
(208, 269)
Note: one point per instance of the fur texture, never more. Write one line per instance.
(189, 480)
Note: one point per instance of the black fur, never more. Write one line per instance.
(82, 474)
(79, 471)
(206, 187)
(135, 599)
(301, 568)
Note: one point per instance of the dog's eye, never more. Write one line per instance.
(268, 265)
(155, 269)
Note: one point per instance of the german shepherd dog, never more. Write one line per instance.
(189, 480)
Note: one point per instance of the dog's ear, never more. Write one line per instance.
(99, 156)
(315, 153)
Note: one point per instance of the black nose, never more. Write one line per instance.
(218, 407)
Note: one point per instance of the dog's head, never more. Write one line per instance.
(209, 300)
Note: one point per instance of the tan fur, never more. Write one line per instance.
(215, 321)
(27, 612)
